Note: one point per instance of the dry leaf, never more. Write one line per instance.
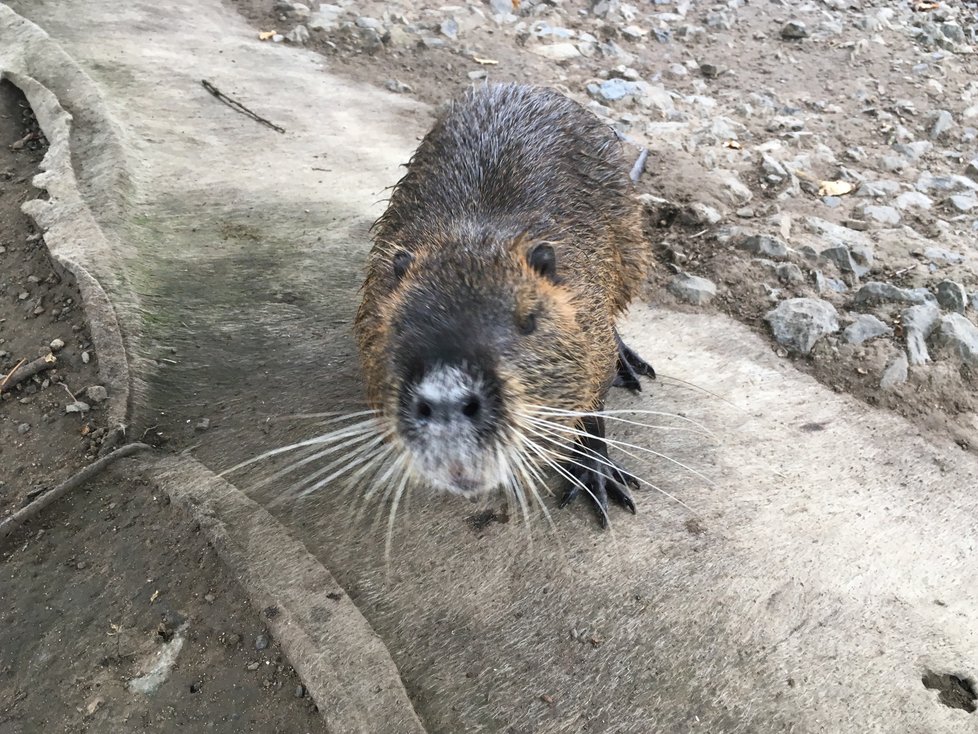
(93, 706)
(834, 188)
(484, 62)
(265, 35)
(154, 596)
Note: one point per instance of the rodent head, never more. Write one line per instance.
(458, 348)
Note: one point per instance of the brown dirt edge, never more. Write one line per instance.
(341, 660)
(344, 665)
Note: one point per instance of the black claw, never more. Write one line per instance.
(630, 367)
(591, 469)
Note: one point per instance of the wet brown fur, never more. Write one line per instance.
(505, 167)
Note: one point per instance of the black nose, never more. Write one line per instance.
(468, 407)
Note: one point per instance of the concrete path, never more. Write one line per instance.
(825, 569)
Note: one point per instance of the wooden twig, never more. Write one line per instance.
(639, 168)
(25, 370)
(235, 105)
(34, 508)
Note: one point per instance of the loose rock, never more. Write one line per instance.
(762, 244)
(959, 336)
(951, 296)
(23, 428)
(299, 35)
(865, 327)
(77, 407)
(872, 294)
(692, 288)
(57, 345)
(895, 372)
(918, 323)
(97, 393)
(799, 323)
(794, 30)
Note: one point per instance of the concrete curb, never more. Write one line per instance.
(343, 663)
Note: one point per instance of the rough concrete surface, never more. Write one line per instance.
(826, 567)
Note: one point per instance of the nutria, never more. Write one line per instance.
(487, 326)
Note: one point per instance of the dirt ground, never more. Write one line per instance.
(840, 102)
(92, 592)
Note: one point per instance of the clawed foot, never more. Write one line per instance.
(630, 367)
(593, 472)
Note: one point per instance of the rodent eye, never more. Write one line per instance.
(527, 323)
(402, 260)
(543, 259)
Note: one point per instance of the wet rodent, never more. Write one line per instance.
(505, 254)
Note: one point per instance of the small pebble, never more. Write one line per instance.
(202, 425)
(261, 642)
(794, 30)
(23, 428)
(77, 407)
(398, 87)
(209, 598)
(86, 357)
(300, 691)
(97, 393)
(253, 666)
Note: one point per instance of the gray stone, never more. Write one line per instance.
(77, 407)
(825, 284)
(612, 90)
(963, 202)
(971, 170)
(958, 336)
(929, 182)
(951, 296)
(936, 254)
(794, 30)
(23, 428)
(57, 345)
(86, 357)
(943, 121)
(881, 214)
(477, 74)
(449, 28)
(97, 393)
(501, 7)
(202, 425)
(397, 87)
(877, 189)
(369, 23)
(557, 51)
(692, 288)
(913, 200)
(843, 259)
(865, 327)
(678, 71)
(918, 323)
(261, 642)
(762, 244)
(790, 273)
(298, 35)
(895, 372)
(799, 323)
(326, 18)
(872, 294)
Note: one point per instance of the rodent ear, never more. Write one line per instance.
(402, 260)
(543, 259)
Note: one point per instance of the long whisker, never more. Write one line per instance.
(530, 472)
(588, 453)
(367, 426)
(617, 419)
(362, 454)
(621, 446)
(390, 521)
(336, 415)
(694, 386)
(313, 457)
(545, 410)
(570, 477)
